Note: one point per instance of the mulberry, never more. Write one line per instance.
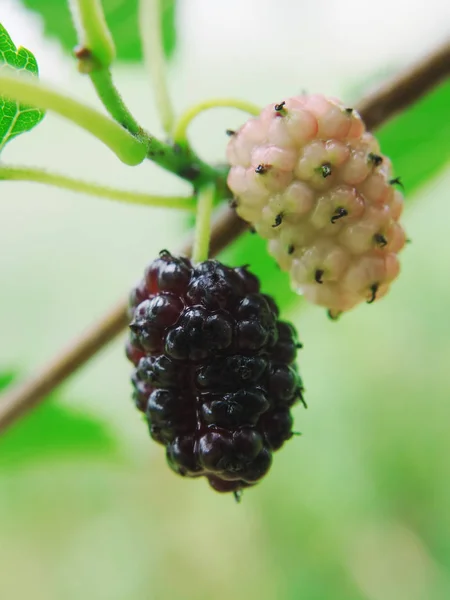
(214, 370)
(311, 180)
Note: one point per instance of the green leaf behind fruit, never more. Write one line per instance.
(252, 250)
(51, 431)
(16, 118)
(122, 19)
(417, 140)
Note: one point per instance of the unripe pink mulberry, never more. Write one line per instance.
(310, 179)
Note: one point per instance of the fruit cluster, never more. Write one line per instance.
(214, 369)
(310, 179)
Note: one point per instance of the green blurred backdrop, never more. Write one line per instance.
(358, 508)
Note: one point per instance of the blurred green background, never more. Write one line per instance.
(358, 508)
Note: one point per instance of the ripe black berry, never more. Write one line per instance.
(214, 369)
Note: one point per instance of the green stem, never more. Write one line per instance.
(129, 149)
(93, 32)
(181, 161)
(152, 48)
(95, 41)
(184, 163)
(200, 250)
(113, 102)
(94, 189)
(180, 128)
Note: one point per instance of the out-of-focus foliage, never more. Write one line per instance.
(418, 140)
(16, 118)
(252, 250)
(122, 18)
(51, 431)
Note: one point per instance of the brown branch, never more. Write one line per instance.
(375, 109)
(404, 89)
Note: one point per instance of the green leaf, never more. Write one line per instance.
(417, 140)
(168, 17)
(252, 250)
(52, 430)
(122, 19)
(16, 118)
(5, 379)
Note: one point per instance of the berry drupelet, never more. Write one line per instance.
(214, 369)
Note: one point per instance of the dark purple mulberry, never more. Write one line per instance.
(214, 369)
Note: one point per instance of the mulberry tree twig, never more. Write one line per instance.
(405, 88)
(375, 109)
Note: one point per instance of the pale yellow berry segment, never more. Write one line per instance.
(312, 181)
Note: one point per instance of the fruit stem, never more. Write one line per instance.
(113, 102)
(93, 33)
(95, 53)
(182, 161)
(179, 131)
(202, 235)
(153, 51)
(85, 187)
(128, 148)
